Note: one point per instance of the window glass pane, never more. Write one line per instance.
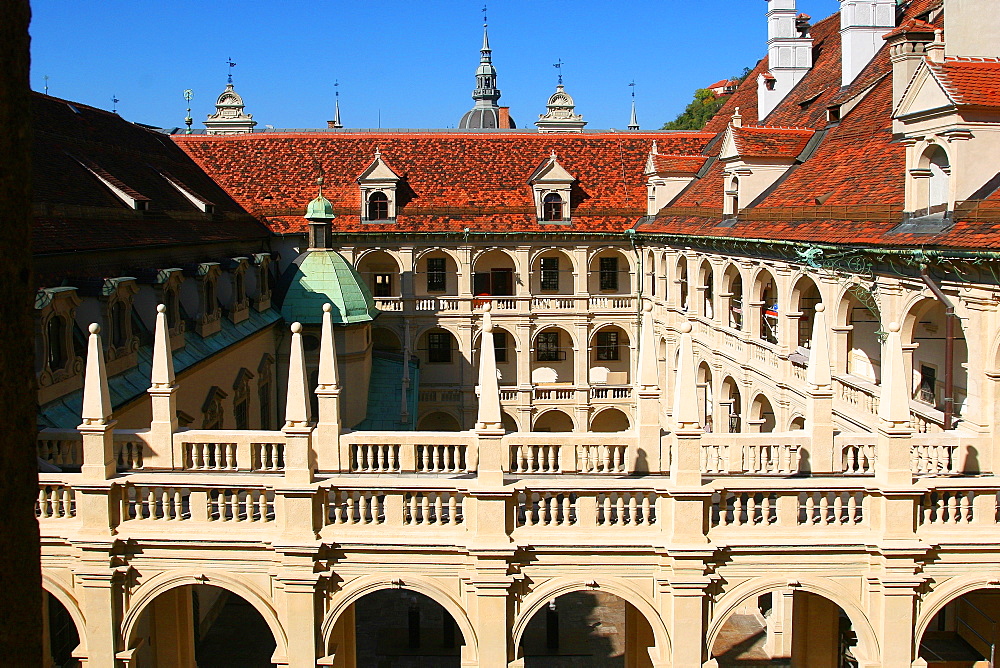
(550, 273)
(547, 347)
(607, 346)
(435, 274)
(438, 347)
(609, 273)
(500, 346)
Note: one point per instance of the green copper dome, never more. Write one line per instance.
(320, 209)
(318, 277)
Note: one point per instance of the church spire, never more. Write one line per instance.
(335, 123)
(633, 123)
(486, 114)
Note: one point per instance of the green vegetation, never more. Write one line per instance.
(698, 113)
(702, 108)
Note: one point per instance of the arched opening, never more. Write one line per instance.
(587, 628)
(761, 416)
(552, 357)
(437, 274)
(732, 197)
(202, 625)
(439, 356)
(933, 178)
(56, 334)
(650, 274)
(439, 421)
(861, 351)
(766, 296)
(965, 633)
(553, 420)
(805, 296)
(552, 273)
(378, 206)
(732, 405)
(385, 340)
(610, 357)
(493, 273)
(60, 635)
(508, 421)
(706, 399)
(505, 350)
(397, 628)
(706, 285)
(925, 325)
(381, 273)
(610, 273)
(609, 420)
(798, 423)
(733, 297)
(787, 626)
(682, 284)
(552, 207)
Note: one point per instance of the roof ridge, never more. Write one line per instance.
(971, 59)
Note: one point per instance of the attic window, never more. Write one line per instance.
(378, 206)
(74, 109)
(833, 114)
(552, 207)
(804, 104)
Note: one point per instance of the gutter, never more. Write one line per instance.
(949, 346)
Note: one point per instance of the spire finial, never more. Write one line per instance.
(559, 65)
(114, 103)
(46, 77)
(336, 105)
(378, 153)
(188, 95)
(553, 155)
(231, 66)
(633, 121)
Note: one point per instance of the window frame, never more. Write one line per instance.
(437, 278)
(552, 208)
(549, 276)
(437, 353)
(378, 202)
(608, 276)
(547, 347)
(607, 348)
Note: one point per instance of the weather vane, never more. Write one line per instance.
(46, 77)
(231, 66)
(188, 94)
(632, 86)
(559, 65)
(114, 103)
(485, 21)
(336, 86)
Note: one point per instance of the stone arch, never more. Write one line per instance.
(568, 252)
(610, 413)
(797, 422)
(419, 255)
(624, 327)
(950, 591)
(478, 255)
(359, 587)
(61, 593)
(510, 331)
(441, 416)
(509, 420)
(547, 327)
(621, 588)
(594, 252)
(760, 407)
(147, 592)
(392, 252)
(451, 329)
(545, 412)
(386, 338)
(868, 650)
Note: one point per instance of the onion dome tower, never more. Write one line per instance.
(486, 114)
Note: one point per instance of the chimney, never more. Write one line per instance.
(504, 118)
(789, 55)
(908, 45)
(863, 23)
(971, 28)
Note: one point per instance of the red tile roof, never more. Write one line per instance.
(683, 164)
(75, 211)
(851, 189)
(766, 142)
(970, 82)
(910, 26)
(451, 180)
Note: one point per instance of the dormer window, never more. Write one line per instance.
(56, 358)
(209, 311)
(117, 297)
(378, 206)
(117, 317)
(930, 183)
(551, 187)
(378, 191)
(732, 201)
(552, 207)
(57, 334)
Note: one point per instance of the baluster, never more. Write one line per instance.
(607, 458)
(645, 519)
(536, 508)
(724, 508)
(852, 508)
(425, 506)
(43, 509)
(565, 509)
(810, 508)
(606, 505)
(966, 511)
(751, 503)
(633, 504)
(438, 504)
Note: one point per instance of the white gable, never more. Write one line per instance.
(924, 94)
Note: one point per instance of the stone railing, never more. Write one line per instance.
(752, 454)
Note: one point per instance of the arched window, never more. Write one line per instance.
(240, 289)
(170, 297)
(938, 186)
(552, 207)
(733, 197)
(57, 342)
(118, 324)
(209, 297)
(378, 206)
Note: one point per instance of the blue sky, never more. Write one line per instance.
(399, 64)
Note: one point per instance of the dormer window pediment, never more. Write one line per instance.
(379, 184)
(551, 187)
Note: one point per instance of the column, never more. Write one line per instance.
(819, 406)
(687, 617)
(300, 612)
(898, 618)
(100, 600)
